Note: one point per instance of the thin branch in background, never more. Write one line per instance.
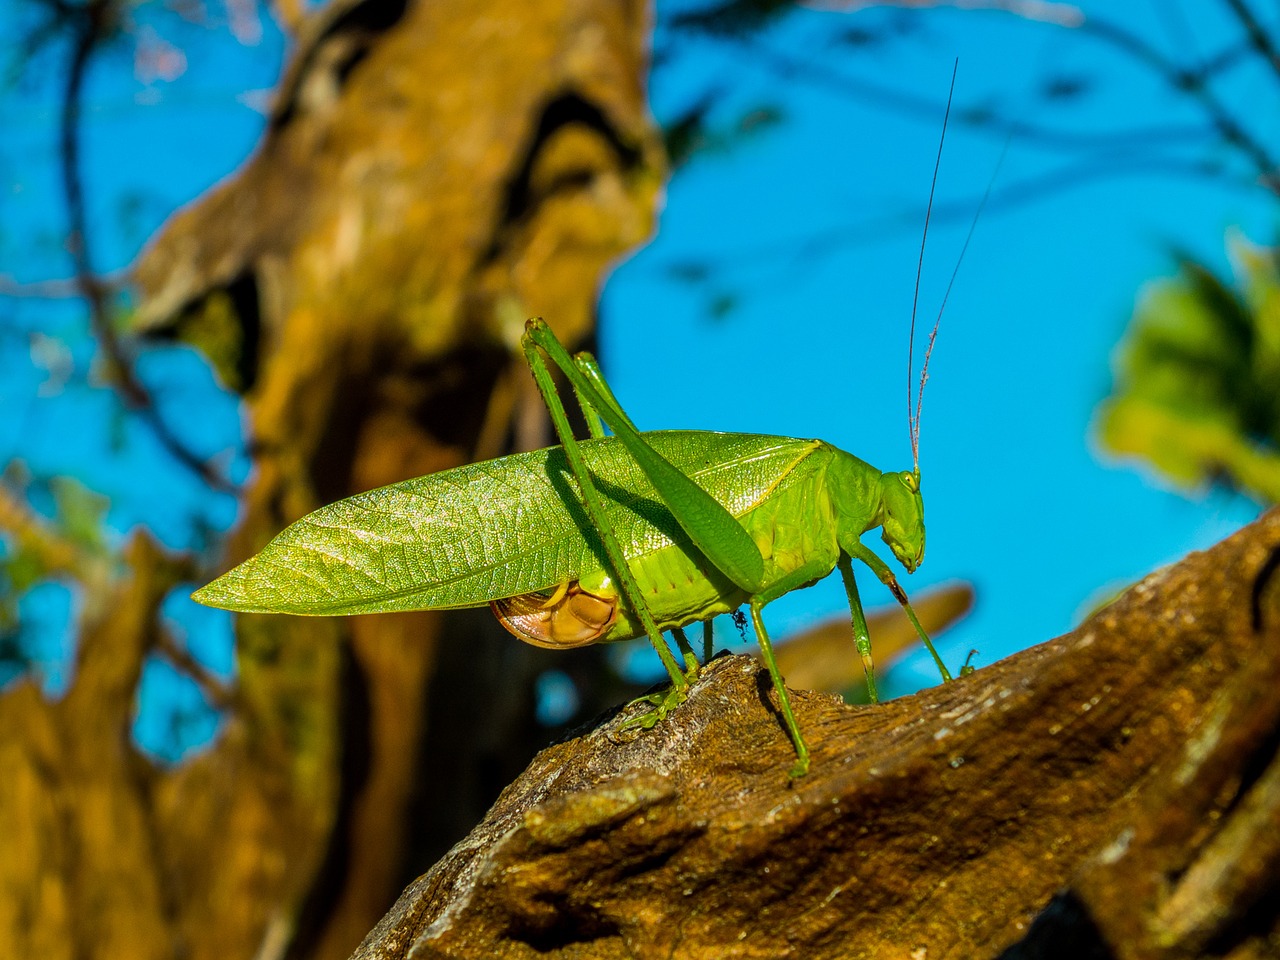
(1258, 36)
(793, 253)
(90, 25)
(1222, 125)
(1225, 59)
(56, 289)
(1044, 11)
(1032, 189)
(879, 95)
(220, 695)
(1195, 84)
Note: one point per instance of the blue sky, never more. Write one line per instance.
(1018, 498)
(812, 228)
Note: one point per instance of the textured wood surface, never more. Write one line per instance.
(1110, 793)
(433, 172)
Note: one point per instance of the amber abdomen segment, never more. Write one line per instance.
(568, 617)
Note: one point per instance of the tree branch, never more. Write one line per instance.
(56, 288)
(1194, 83)
(89, 26)
(982, 120)
(1259, 39)
(221, 696)
(1132, 762)
(1044, 11)
(1069, 176)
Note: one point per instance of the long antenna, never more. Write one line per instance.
(933, 334)
(913, 410)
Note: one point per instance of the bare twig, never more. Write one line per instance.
(930, 108)
(89, 25)
(55, 289)
(1259, 39)
(1069, 176)
(1045, 11)
(1225, 59)
(220, 695)
(1193, 83)
(1222, 125)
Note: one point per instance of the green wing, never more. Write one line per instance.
(500, 528)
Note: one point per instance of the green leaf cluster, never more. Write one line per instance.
(1197, 378)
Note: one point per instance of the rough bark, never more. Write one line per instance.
(1110, 793)
(433, 172)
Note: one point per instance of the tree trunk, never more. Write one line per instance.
(433, 173)
(1113, 793)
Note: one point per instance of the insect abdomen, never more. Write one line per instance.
(570, 617)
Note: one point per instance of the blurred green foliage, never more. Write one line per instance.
(1197, 378)
(63, 540)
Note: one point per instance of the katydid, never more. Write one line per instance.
(602, 539)
(609, 538)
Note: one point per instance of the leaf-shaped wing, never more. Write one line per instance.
(500, 528)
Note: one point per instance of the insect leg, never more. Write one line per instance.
(815, 568)
(690, 659)
(589, 367)
(881, 570)
(708, 644)
(709, 525)
(587, 364)
(595, 510)
(801, 766)
(861, 636)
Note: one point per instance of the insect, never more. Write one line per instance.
(608, 538)
(634, 534)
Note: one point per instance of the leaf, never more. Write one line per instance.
(1197, 384)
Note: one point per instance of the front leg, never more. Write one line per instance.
(862, 552)
(861, 635)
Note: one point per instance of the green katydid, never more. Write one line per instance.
(608, 538)
(603, 539)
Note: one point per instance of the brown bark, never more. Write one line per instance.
(1110, 793)
(433, 172)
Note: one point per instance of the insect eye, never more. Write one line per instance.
(909, 481)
